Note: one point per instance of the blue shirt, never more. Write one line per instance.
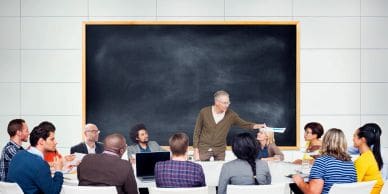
(33, 174)
(144, 150)
(172, 173)
(263, 153)
(331, 171)
(9, 151)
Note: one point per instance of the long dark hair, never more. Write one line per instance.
(372, 132)
(245, 147)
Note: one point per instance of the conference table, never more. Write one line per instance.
(278, 169)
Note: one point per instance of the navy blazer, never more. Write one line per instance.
(81, 148)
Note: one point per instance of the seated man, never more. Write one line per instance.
(91, 144)
(30, 171)
(108, 169)
(18, 133)
(178, 172)
(139, 136)
(51, 156)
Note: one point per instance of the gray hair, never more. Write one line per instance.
(220, 93)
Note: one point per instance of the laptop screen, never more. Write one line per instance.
(145, 162)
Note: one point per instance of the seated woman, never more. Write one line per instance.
(267, 146)
(370, 162)
(178, 172)
(246, 169)
(333, 166)
(312, 132)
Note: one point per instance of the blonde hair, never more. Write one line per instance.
(270, 134)
(334, 144)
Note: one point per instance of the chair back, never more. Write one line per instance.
(353, 188)
(384, 190)
(280, 188)
(191, 190)
(68, 189)
(10, 188)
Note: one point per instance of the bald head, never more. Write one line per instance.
(115, 143)
(91, 133)
(90, 127)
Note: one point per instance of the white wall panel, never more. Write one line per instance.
(68, 129)
(191, 18)
(374, 7)
(9, 66)
(327, 8)
(9, 8)
(9, 98)
(122, 8)
(51, 99)
(9, 32)
(190, 8)
(54, 7)
(330, 98)
(51, 65)
(258, 8)
(329, 32)
(374, 32)
(330, 65)
(52, 32)
(374, 98)
(258, 18)
(111, 18)
(374, 65)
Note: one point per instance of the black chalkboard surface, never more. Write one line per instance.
(162, 74)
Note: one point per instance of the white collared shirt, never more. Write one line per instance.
(217, 116)
(90, 149)
(35, 151)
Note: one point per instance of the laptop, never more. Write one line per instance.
(145, 164)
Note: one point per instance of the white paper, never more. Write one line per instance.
(277, 129)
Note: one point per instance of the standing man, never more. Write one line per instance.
(91, 144)
(28, 168)
(108, 169)
(212, 127)
(18, 133)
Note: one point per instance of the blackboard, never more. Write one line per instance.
(162, 74)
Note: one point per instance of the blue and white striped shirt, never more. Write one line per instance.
(332, 171)
(9, 151)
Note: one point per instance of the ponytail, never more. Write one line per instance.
(245, 147)
(252, 163)
(377, 150)
(372, 132)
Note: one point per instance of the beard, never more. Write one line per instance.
(144, 141)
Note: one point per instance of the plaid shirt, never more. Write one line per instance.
(174, 173)
(9, 151)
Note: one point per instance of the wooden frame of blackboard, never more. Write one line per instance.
(297, 81)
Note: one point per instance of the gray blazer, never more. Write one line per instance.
(134, 148)
(239, 172)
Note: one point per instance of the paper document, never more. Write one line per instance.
(277, 129)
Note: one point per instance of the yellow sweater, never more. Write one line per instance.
(368, 170)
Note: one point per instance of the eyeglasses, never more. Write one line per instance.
(94, 131)
(224, 103)
(308, 132)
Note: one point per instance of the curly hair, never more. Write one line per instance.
(134, 132)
